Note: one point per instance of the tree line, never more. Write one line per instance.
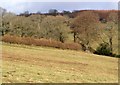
(88, 28)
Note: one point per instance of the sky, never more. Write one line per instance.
(19, 6)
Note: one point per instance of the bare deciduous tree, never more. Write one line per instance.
(85, 28)
(54, 27)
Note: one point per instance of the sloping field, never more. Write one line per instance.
(39, 64)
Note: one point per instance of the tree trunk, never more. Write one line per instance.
(87, 45)
(83, 46)
(2, 33)
(110, 41)
(74, 36)
(60, 38)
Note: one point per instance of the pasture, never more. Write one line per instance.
(32, 64)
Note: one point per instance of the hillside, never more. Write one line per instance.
(23, 63)
(88, 28)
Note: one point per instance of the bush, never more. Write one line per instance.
(103, 49)
(40, 42)
(118, 56)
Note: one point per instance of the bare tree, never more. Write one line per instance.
(109, 31)
(85, 28)
(55, 28)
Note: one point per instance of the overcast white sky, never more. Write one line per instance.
(19, 6)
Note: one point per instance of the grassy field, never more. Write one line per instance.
(23, 64)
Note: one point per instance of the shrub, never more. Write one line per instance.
(118, 56)
(73, 46)
(40, 42)
(103, 49)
